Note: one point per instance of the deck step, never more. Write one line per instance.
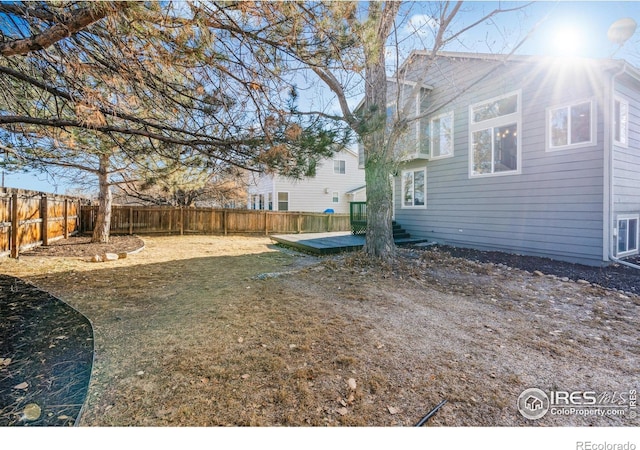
(398, 231)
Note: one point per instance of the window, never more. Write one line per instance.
(571, 126)
(495, 141)
(621, 122)
(283, 201)
(335, 197)
(339, 166)
(441, 136)
(270, 201)
(414, 140)
(627, 235)
(414, 188)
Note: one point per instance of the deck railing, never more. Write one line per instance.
(358, 217)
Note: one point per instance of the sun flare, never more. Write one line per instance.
(568, 41)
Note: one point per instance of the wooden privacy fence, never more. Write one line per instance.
(170, 220)
(29, 218)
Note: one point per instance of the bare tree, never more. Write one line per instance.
(189, 183)
(345, 44)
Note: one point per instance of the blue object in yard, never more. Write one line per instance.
(329, 211)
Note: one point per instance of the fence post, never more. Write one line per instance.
(15, 245)
(44, 213)
(266, 223)
(181, 221)
(299, 223)
(131, 220)
(66, 218)
(224, 221)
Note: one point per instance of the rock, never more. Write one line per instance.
(140, 373)
(342, 411)
(240, 340)
(537, 273)
(110, 257)
(392, 410)
(582, 282)
(352, 384)
(565, 279)
(23, 386)
(245, 376)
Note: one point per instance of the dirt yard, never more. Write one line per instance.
(204, 331)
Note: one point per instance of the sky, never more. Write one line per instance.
(564, 28)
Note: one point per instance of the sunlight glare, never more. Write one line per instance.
(568, 41)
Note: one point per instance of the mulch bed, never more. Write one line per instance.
(82, 247)
(614, 276)
(46, 355)
(46, 347)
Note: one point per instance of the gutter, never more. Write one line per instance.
(609, 140)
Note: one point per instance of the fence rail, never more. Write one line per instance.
(170, 220)
(29, 218)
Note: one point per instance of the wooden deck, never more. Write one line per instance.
(329, 243)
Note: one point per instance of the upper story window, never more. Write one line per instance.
(339, 166)
(414, 188)
(495, 142)
(621, 122)
(571, 125)
(335, 197)
(441, 136)
(415, 138)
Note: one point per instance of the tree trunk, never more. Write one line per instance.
(102, 226)
(379, 239)
(378, 148)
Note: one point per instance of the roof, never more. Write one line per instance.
(356, 190)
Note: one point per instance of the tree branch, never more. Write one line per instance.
(78, 20)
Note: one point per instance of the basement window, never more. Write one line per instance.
(627, 239)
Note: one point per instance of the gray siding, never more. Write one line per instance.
(553, 208)
(626, 161)
(625, 191)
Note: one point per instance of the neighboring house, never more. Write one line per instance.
(534, 156)
(338, 181)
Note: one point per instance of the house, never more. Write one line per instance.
(338, 181)
(527, 155)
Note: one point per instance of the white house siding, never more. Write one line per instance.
(316, 194)
(626, 160)
(552, 208)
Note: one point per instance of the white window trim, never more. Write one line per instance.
(440, 116)
(345, 166)
(402, 205)
(408, 154)
(335, 194)
(627, 217)
(277, 202)
(614, 124)
(493, 123)
(593, 125)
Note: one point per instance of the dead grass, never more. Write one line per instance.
(186, 334)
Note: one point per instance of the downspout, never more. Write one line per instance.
(609, 141)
